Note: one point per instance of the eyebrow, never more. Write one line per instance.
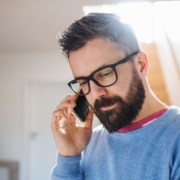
(100, 67)
(103, 65)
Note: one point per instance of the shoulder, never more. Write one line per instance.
(174, 110)
(98, 133)
(172, 116)
(98, 130)
(169, 124)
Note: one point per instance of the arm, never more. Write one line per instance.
(175, 174)
(67, 168)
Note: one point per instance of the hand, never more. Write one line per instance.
(70, 138)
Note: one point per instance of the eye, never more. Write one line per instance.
(105, 74)
(82, 83)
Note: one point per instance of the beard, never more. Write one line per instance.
(125, 111)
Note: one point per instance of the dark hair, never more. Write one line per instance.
(104, 25)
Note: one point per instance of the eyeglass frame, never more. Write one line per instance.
(90, 77)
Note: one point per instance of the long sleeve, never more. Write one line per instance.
(175, 174)
(67, 168)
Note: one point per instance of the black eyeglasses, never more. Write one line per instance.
(103, 77)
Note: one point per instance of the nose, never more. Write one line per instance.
(97, 91)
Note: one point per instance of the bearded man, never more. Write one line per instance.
(139, 136)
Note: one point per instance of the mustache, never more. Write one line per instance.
(107, 101)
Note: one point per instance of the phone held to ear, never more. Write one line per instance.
(81, 109)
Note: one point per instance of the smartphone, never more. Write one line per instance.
(81, 109)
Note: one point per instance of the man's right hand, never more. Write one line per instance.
(70, 138)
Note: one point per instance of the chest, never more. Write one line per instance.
(122, 158)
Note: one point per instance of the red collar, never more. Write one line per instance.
(142, 122)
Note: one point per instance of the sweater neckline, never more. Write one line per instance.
(143, 122)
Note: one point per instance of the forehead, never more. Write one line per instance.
(94, 54)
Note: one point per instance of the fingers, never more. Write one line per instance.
(60, 120)
(59, 114)
(65, 104)
(61, 111)
(89, 119)
(68, 101)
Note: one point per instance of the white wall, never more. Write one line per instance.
(16, 70)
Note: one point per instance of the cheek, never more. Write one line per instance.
(124, 78)
(121, 86)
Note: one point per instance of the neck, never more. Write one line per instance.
(151, 105)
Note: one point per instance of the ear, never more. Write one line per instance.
(141, 63)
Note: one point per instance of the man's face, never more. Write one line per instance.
(125, 110)
(116, 105)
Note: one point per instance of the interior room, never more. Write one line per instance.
(34, 74)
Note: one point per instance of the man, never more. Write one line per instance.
(139, 138)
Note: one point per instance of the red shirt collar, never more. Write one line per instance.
(142, 122)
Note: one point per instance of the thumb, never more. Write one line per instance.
(89, 119)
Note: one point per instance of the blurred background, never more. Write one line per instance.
(34, 75)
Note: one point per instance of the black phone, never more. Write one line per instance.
(82, 108)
